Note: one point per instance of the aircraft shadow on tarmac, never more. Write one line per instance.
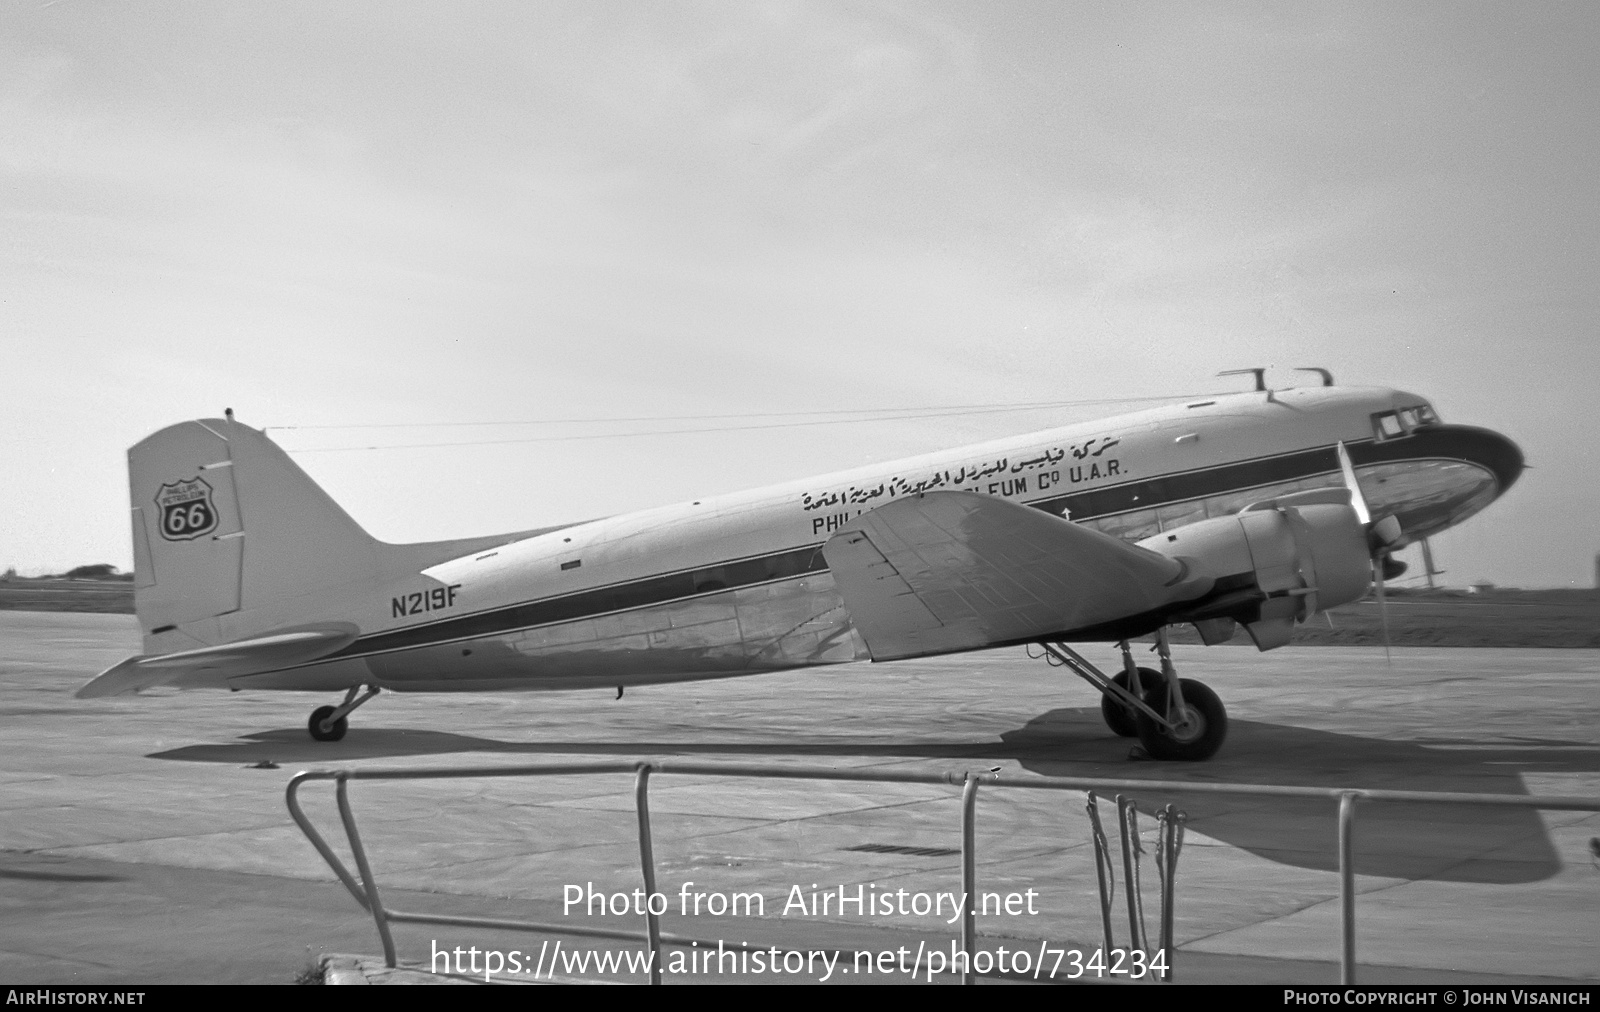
(1454, 843)
(1459, 843)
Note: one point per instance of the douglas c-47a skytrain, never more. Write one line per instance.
(1255, 509)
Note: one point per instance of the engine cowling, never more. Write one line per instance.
(1275, 563)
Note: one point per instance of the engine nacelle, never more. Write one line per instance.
(1275, 563)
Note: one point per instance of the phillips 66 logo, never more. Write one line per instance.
(187, 511)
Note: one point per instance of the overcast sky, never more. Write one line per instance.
(364, 213)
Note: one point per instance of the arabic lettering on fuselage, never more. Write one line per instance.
(1048, 457)
(1089, 450)
(898, 486)
(957, 477)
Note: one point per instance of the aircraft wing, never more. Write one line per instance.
(948, 571)
(245, 657)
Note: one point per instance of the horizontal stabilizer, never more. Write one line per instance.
(947, 571)
(260, 653)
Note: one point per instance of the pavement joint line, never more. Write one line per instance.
(485, 860)
(1310, 905)
(157, 839)
(656, 816)
(327, 877)
(56, 957)
(1372, 890)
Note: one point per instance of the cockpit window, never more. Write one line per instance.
(1386, 426)
(1394, 424)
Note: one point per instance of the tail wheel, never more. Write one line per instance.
(1199, 730)
(1119, 718)
(332, 732)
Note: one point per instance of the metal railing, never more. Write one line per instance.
(366, 892)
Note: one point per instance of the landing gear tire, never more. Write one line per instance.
(1119, 718)
(1198, 734)
(334, 731)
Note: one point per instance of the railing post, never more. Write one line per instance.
(1347, 887)
(969, 875)
(292, 798)
(1167, 864)
(1105, 870)
(1128, 826)
(373, 903)
(647, 860)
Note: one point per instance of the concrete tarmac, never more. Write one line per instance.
(140, 843)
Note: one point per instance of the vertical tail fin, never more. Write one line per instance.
(231, 539)
(229, 533)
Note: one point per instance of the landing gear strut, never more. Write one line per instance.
(1119, 716)
(329, 723)
(1194, 723)
(1174, 718)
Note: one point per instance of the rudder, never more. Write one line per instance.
(232, 538)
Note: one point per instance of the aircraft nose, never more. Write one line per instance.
(1492, 451)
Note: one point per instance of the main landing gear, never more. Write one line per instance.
(1173, 718)
(329, 723)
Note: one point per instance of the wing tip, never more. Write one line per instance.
(113, 681)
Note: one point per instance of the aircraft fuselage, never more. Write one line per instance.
(736, 584)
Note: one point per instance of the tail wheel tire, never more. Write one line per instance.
(1200, 730)
(334, 731)
(1118, 717)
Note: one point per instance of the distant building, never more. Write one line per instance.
(1480, 587)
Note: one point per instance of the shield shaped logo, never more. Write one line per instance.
(187, 511)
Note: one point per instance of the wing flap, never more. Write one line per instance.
(280, 649)
(949, 571)
(879, 590)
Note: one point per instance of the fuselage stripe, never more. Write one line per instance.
(599, 601)
(798, 562)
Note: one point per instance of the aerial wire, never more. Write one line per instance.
(873, 415)
(951, 408)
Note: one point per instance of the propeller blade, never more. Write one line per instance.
(1380, 536)
(1357, 500)
(1383, 607)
